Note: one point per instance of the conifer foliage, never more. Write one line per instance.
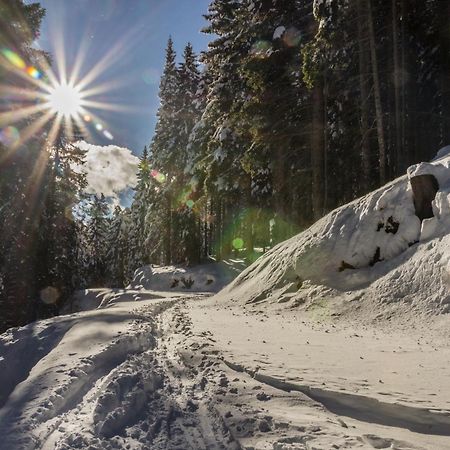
(297, 108)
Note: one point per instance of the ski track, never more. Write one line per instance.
(373, 421)
(166, 385)
(419, 420)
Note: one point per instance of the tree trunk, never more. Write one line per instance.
(404, 156)
(168, 255)
(397, 87)
(364, 97)
(377, 96)
(445, 72)
(325, 144)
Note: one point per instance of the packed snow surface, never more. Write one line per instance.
(195, 373)
(156, 282)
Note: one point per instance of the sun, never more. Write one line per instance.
(65, 100)
(61, 102)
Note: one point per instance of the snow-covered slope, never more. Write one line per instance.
(48, 368)
(374, 245)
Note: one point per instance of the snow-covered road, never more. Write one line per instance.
(192, 373)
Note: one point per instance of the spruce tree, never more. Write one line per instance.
(57, 244)
(164, 146)
(186, 232)
(137, 256)
(117, 241)
(226, 181)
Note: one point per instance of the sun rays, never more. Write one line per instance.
(37, 98)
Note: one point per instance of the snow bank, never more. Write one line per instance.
(373, 243)
(88, 299)
(52, 370)
(202, 278)
(158, 282)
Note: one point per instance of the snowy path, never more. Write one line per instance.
(397, 384)
(393, 367)
(186, 373)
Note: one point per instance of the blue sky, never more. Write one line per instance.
(139, 30)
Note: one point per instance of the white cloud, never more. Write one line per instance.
(110, 170)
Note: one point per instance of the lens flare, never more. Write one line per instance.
(55, 98)
(108, 135)
(158, 176)
(292, 37)
(49, 295)
(34, 73)
(14, 58)
(19, 63)
(261, 49)
(238, 243)
(9, 136)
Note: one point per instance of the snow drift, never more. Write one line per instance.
(376, 243)
(159, 282)
(210, 277)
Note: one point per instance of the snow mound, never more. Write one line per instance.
(49, 368)
(211, 277)
(376, 243)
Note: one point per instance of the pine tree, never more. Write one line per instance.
(273, 111)
(164, 145)
(172, 199)
(226, 181)
(186, 232)
(137, 213)
(295, 100)
(117, 249)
